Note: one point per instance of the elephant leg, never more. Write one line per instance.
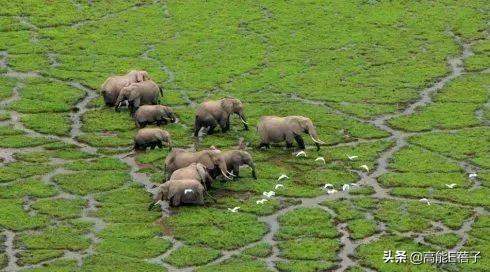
(211, 129)
(300, 141)
(263, 144)
(236, 170)
(197, 127)
(153, 145)
(224, 124)
(160, 144)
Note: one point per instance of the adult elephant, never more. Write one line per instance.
(140, 93)
(213, 113)
(236, 158)
(178, 192)
(274, 129)
(197, 171)
(114, 84)
(212, 158)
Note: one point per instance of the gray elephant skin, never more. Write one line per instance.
(154, 114)
(212, 158)
(236, 158)
(213, 113)
(137, 94)
(111, 88)
(178, 192)
(151, 137)
(274, 129)
(195, 171)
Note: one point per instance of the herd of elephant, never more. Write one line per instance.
(189, 174)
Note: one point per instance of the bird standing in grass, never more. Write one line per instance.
(234, 210)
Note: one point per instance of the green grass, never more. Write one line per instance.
(306, 222)
(39, 255)
(259, 250)
(360, 228)
(191, 256)
(448, 240)
(27, 187)
(60, 208)
(48, 123)
(86, 182)
(214, 228)
(17, 170)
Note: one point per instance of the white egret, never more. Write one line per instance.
(262, 201)
(351, 158)
(425, 200)
(283, 176)
(365, 167)
(322, 159)
(452, 185)
(278, 186)
(235, 209)
(301, 153)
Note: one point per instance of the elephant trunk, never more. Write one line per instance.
(314, 135)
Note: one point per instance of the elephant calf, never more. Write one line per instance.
(114, 84)
(213, 113)
(178, 192)
(195, 171)
(274, 129)
(236, 158)
(137, 94)
(153, 114)
(151, 137)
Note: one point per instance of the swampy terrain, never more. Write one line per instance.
(402, 85)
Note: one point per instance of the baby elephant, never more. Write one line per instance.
(151, 137)
(137, 94)
(213, 113)
(274, 129)
(178, 192)
(236, 158)
(153, 114)
(195, 171)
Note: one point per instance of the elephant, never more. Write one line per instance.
(158, 114)
(178, 192)
(212, 158)
(113, 85)
(213, 113)
(236, 158)
(277, 129)
(195, 171)
(151, 137)
(137, 94)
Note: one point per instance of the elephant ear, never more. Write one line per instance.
(296, 126)
(227, 104)
(207, 161)
(202, 172)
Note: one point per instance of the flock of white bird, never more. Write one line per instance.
(329, 188)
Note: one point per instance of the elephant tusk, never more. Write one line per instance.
(225, 175)
(317, 141)
(243, 121)
(230, 173)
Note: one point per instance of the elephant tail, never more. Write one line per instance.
(161, 90)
